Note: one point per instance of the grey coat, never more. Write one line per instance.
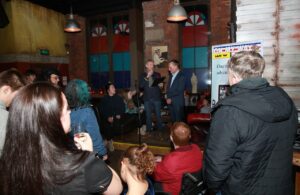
(3, 121)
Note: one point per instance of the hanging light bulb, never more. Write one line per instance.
(72, 25)
(177, 13)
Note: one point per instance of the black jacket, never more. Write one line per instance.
(150, 93)
(250, 144)
(111, 106)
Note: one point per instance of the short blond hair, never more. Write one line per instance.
(247, 64)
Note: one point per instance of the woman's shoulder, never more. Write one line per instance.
(92, 176)
(96, 172)
(85, 108)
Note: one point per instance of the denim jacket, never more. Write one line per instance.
(87, 116)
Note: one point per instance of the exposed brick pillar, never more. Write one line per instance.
(220, 12)
(162, 32)
(78, 67)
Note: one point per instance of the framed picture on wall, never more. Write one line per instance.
(160, 56)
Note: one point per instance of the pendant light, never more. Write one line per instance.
(177, 13)
(72, 25)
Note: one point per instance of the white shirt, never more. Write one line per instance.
(173, 77)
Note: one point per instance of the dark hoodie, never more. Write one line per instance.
(249, 147)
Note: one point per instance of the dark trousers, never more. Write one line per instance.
(126, 123)
(177, 112)
(110, 130)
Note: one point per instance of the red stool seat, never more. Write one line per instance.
(194, 118)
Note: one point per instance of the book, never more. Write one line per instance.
(158, 81)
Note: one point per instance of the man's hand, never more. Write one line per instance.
(110, 119)
(169, 101)
(149, 74)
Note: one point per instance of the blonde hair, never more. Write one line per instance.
(247, 64)
(141, 160)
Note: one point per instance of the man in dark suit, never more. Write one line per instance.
(175, 91)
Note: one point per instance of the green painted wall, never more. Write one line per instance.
(31, 28)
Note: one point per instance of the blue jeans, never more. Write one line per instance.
(149, 106)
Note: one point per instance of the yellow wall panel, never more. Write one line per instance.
(33, 27)
(6, 34)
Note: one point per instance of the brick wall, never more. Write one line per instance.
(220, 16)
(157, 32)
(78, 67)
(162, 32)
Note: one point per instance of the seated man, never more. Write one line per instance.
(185, 158)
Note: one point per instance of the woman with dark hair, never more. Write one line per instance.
(112, 108)
(137, 162)
(78, 97)
(36, 157)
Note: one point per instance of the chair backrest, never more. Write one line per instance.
(192, 184)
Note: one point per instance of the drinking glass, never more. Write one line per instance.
(79, 130)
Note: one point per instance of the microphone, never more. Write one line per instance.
(135, 84)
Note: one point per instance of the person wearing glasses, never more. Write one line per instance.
(52, 75)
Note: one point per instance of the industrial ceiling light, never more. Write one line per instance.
(72, 25)
(177, 13)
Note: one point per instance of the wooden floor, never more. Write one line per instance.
(158, 142)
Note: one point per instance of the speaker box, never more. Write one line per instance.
(3, 17)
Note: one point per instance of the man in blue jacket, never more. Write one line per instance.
(250, 144)
(175, 92)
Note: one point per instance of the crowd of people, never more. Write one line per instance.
(248, 149)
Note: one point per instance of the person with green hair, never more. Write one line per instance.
(78, 97)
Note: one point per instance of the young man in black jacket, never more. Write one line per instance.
(250, 144)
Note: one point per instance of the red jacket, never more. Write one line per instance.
(169, 172)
